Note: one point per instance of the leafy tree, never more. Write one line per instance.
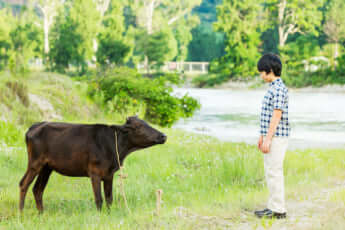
(206, 45)
(157, 15)
(340, 69)
(334, 26)
(113, 47)
(183, 37)
(157, 47)
(73, 34)
(48, 10)
(111, 50)
(239, 21)
(269, 41)
(207, 11)
(296, 53)
(154, 15)
(294, 16)
(6, 25)
(103, 5)
(25, 40)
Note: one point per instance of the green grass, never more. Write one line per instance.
(338, 196)
(201, 177)
(68, 98)
(198, 173)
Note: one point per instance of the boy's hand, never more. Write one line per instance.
(265, 148)
(260, 142)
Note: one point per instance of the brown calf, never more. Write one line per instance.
(80, 150)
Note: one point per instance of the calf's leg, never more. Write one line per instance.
(108, 190)
(24, 184)
(96, 186)
(40, 185)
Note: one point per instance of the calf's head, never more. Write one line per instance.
(142, 134)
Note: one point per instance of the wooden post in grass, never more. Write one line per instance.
(159, 193)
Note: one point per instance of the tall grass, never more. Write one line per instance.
(66, 96)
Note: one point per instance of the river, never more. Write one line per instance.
(317, 118)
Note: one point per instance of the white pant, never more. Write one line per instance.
(273, 162)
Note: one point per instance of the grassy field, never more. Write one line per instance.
(199, 176)
(206, 183)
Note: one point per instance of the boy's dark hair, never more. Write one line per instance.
(270, 63)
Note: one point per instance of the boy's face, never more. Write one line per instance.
(264, 76)
(267, 77)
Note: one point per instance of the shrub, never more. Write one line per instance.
(318, 78)
(10, 133)
(19, 89)
(210, 80)
(123, 90)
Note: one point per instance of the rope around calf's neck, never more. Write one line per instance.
(121, 174)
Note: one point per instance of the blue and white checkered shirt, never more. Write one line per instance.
(276, 97)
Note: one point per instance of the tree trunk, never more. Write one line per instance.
(336, 50)
(46, 34)
(281, 36)
(149, 14)
(336, 54)
(281, 11)
(102, 7)
(146, 63)
(48, 12)
(150, 11)
(95, 48)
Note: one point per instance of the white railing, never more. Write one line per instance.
(186, 67)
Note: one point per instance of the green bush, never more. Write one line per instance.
(209, 80)
(340, 69)
(124, 90)
(318, 78)
(11, 134)
(20, 89)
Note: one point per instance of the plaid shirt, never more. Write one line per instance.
(276, 97)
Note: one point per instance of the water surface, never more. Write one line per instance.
(317, 118)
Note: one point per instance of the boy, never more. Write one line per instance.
(274, 133)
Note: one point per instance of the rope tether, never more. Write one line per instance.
(122, 176)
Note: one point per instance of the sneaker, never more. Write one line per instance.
(267, 213)
(261, 212)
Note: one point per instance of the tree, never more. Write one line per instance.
(183, 37)
(298, 53)
(238, 20)
(156, 15)
(48, 9)
(111, 51)
(294, 16)
(25, 39)
(7, 22)
(153, 14)
(334, 26)
(73, 34)
(113, 47)
(103, 5)
(157, 47)
(206, 44)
